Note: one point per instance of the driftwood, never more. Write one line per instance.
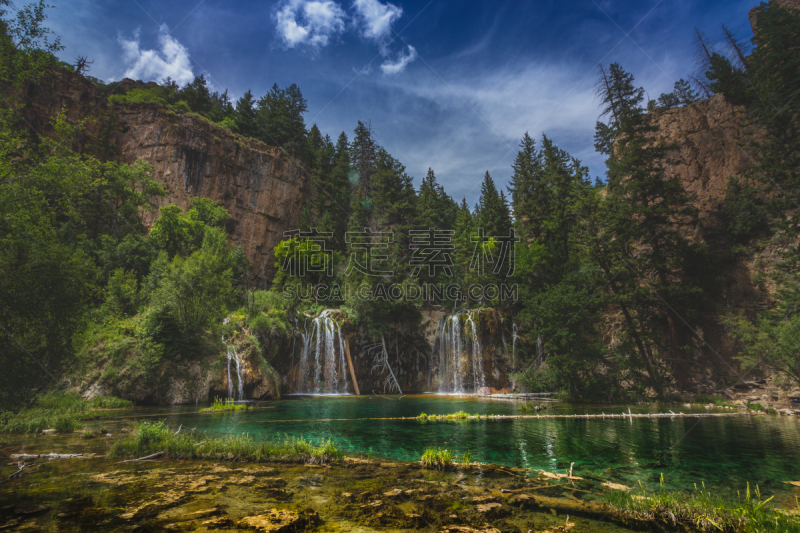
(350, 365)
(152, 456)
(50, 455)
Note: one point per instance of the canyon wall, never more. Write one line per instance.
(262, 188)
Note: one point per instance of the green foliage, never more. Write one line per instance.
(743, 211)
(146, 95)
(772, 342)
(437, 458)
(61, 411)
(151, 437)
(225, 405)
(703, 511)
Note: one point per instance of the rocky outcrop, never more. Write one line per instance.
(261, 187)
(753, 15)
(708, 151)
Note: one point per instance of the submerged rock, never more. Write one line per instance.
(280, 520)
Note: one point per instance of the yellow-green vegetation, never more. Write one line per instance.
(224, 405)
(460, 415)
(61, 411)
(704, 511)
(706, 399)
(154, 437)
(438, 458)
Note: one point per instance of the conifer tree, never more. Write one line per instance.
(362, 156)
(493, 213)
(653, 249)
(244, 117)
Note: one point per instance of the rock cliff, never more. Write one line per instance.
(261, 187)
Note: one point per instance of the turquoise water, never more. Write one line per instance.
(725, 453)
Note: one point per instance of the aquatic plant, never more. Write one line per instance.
(156, 437)
(438, 458)
(61, 411)
(466, 458)
(460, 415)
(755, 407)
(704, 511)
(224, 405)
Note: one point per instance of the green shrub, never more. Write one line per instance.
(61, 411)
(149, 95)
(755, 407)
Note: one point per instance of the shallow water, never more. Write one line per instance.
(725, 453)
(94, 493)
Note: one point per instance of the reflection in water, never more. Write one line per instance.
(724, 452)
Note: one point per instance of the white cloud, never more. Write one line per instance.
(313, 23)
(394, 67)
(172, 60)
(376, 19)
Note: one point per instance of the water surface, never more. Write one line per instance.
(725, 453)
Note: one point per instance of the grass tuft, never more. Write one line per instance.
(438, 458)
(703, 511)
(224, 405)
(151, 437)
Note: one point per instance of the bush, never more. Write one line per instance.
(150, 95)
(61, 411)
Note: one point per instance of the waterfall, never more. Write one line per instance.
(513, 344)
(234, 355)
(539, 351)
(320, 348)
(460, 355)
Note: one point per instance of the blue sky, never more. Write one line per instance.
(451, 85)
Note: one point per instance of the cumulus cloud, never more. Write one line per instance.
(312, 23)
(375, 18)
(402, 61)
(171, 60)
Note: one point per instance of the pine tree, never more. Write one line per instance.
(525, 188)
(197, 95)
(362, 155)
(245, 116)
(280, 119)
(653, 248)
(435, 209)
(493, 213)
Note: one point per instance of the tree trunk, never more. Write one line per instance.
(350, 364)
(675, 341)
(639, 344)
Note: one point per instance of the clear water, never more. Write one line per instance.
(725, 453)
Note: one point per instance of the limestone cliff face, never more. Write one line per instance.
(708, 152)
(262, 188)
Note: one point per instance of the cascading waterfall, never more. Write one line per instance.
(460, 356)
(513, 344)
(320, 347)
(234, 355)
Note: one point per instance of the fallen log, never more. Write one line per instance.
(50, 455)
(152, 456)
